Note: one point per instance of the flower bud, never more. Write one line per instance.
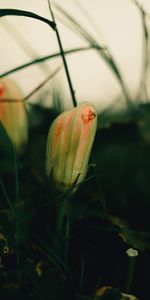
(13, 115)
(69, 145)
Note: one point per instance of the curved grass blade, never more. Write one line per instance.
(24, 13)
(41, 59)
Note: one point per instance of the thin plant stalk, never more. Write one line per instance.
(102, 199)
(62, 227)
(82, 270)
(44, 82)
(61, 214)
(132, 254)
(67, 240)
(18, 233)
(63, 58)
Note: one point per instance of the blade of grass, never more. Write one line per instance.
(90, 20)
(140, 7)
(44, 82)
(17, 12)
(42, 59)
(146, 61)
(71, 23)
(34, 91)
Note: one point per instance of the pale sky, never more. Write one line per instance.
(119, 28)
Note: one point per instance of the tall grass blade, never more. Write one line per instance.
(42, 59)
(142, 91)
(34, 91)
(41, 84)
(88, 16)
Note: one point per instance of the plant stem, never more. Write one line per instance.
(17, 214)
(67, 239)
(82, 275)
(132, 253)
(61, 215)
(100, 192)
(63, 58)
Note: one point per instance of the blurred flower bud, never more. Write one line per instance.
(13, 115)
(69, 145)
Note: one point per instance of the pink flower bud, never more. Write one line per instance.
(69, 145)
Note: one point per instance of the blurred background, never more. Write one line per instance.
(115, 25)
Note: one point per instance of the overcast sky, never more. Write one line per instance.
(119, 28)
